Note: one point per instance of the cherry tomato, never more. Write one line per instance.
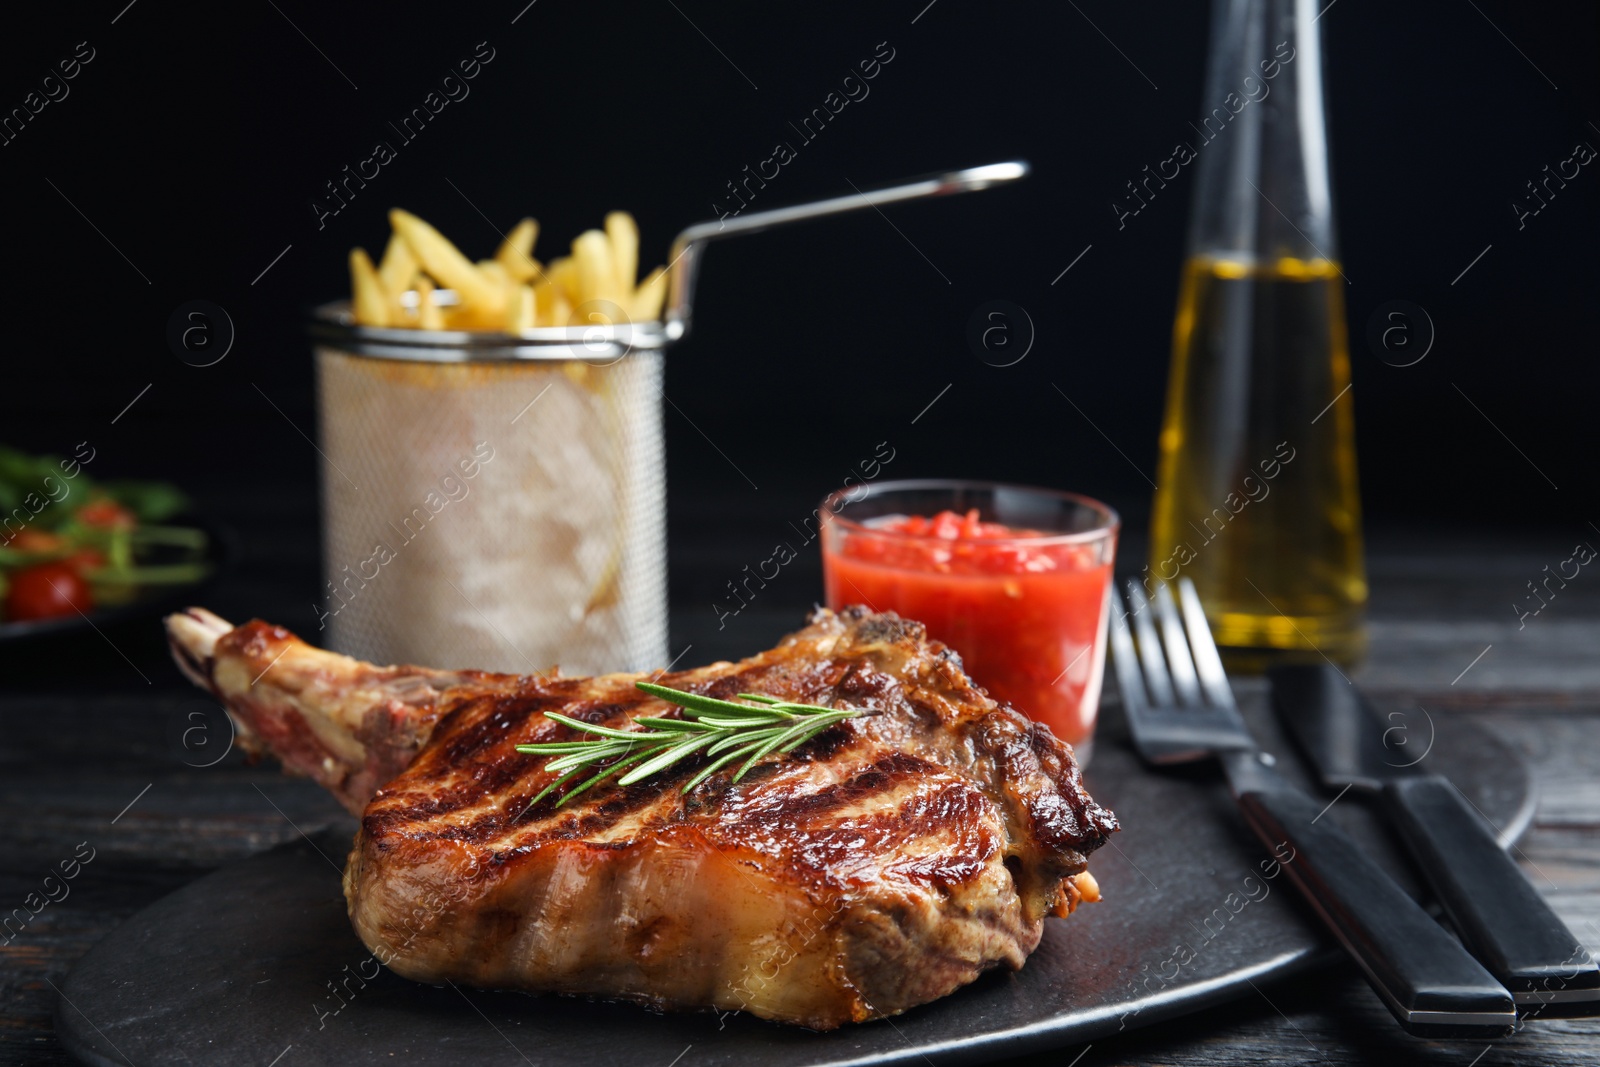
(106, 513)
(47, 591)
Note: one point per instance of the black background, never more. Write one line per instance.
(197, 138)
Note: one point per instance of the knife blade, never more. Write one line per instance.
(1498, 913)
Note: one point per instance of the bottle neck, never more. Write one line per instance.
(1262, 192)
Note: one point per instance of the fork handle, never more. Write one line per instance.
(1430, 983)
(1489, 900)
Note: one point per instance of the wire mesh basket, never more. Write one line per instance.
(498, 500)
(493, 500)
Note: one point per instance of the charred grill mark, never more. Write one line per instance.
(601, 713)
(477, 740)
(1089, 824)
(415, 823)
(811, 830)
(751, 802)
(939, 785)
(414, 814)
(1062, 818)
(479, 727)
(955, 810)
(499, 776)
(598, 812)
(929, 838)
(826, 745)
(501, 785)
(470, 725)
(795, 826)
(1061, 826)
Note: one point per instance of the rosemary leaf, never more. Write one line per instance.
(694, 702)
(783, 737)
(588, 727)
(716, 765)
(808, 735)
(754, 722)
(599, 751)
(552, 787)
(726, 729)
(736, 739)
(677, 725)
(602, 776)
(672, 755)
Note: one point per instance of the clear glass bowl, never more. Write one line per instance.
(1026, 607)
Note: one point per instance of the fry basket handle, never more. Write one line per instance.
(690, 244)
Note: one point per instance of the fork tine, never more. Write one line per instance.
(1184, 681)
(1208, 665)
(1156, 678)
(1124, 661)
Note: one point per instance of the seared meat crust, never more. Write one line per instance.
(885, 864)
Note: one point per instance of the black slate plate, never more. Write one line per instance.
(257, 964)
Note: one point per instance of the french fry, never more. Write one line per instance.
(467, 317)
(563, 273)
(471, 318)
(446, 264)
(516, 252)
(369, 301)
(597, 276)
(512, 291)
(624, 235)
(520, 310)
(398, 267)
(649, 297)
(429, 315)
(551, 305)
(560, 309)
(495, 271)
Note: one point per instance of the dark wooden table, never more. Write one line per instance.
(100, 748)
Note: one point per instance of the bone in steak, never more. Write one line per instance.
(884, 864)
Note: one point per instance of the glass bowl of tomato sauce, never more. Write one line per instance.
(1013, 578)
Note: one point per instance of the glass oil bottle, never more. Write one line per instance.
(1257, 500)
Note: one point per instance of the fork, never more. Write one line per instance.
(1180, 709)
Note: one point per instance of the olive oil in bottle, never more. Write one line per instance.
(1257, 500)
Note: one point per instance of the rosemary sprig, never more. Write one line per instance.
(721, 728)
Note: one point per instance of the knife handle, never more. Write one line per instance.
(1430, 983)
(1498, 913)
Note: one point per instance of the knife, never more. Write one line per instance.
(1499, 915)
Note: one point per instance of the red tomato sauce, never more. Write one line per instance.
(1025, 610)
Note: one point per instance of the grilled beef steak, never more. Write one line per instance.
(884, 864)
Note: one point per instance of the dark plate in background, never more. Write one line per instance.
(151, 603)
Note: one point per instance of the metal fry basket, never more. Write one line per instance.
(498, 500)
(493, 500)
